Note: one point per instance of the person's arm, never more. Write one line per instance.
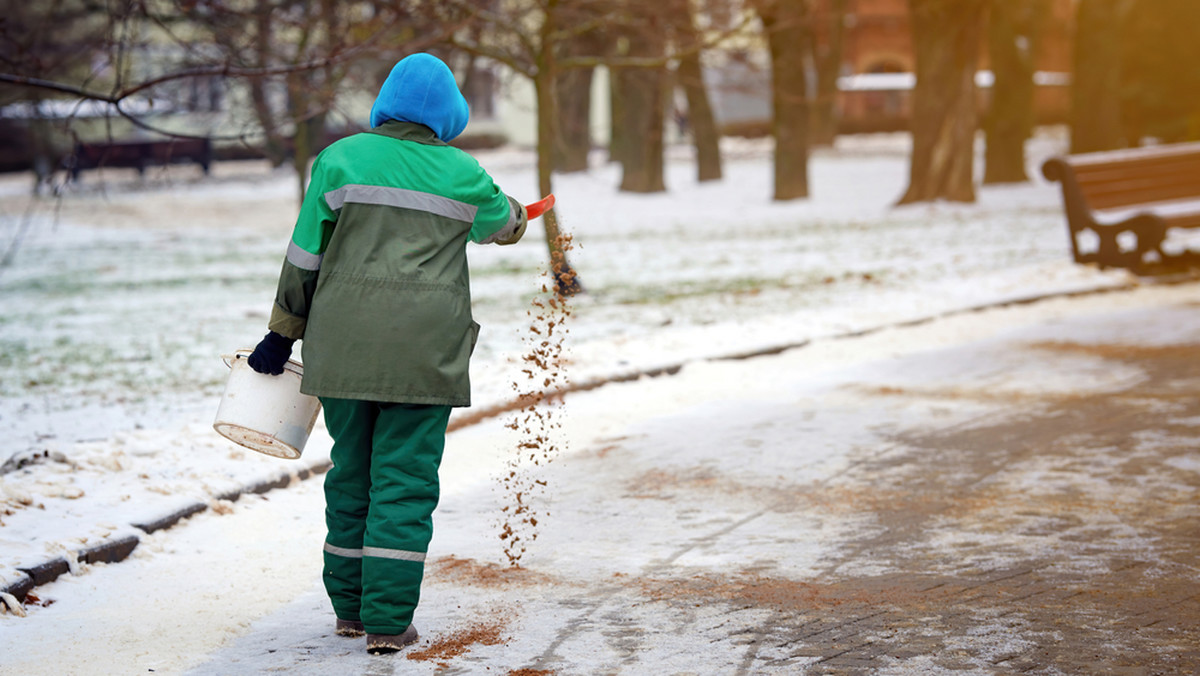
(297, 279)
(302, 266)
(500, 219)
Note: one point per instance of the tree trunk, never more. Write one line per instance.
(575, 92)
(641, 93)
(273, 146)
(1012, 35)
(618, 140)
(1096, 79)
(946, 37)
(828, 58)
(700, 121)
(788, 38)
(301, 136)
(545, 85)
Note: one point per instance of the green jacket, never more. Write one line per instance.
(376, 280)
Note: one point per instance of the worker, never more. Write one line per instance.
(376, 284)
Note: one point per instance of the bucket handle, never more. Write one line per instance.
(244, 353)
(238, 354)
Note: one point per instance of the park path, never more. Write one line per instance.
(1010, 491)
(1025, 503)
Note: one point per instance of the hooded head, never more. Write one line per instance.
(422, 89)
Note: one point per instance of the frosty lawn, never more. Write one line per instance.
(121, 299)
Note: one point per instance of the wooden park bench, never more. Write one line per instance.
(1123, 202)
(140, 154)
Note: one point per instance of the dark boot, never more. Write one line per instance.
(351, 628)
(381, 644)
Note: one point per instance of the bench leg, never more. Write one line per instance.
(1149, 232)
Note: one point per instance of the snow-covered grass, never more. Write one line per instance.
(123, 295)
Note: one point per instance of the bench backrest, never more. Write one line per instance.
(1139, 175)
(133, 153)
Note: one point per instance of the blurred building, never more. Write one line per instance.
(878, 66)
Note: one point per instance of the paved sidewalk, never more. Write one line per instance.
(1060, 534)
(1024, 504)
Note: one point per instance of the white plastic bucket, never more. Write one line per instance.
(266, 413)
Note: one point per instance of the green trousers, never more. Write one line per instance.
(379, 502)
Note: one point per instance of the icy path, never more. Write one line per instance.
(685, 514)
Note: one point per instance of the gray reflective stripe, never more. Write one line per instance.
(512, 218)
(399, 197)
(507, 231)
(509, 228)
(342, 551)
(303, 259)
(398, 554)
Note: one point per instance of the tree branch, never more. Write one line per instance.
(712, 42)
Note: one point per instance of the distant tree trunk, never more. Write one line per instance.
(641, 93)
(310, 90)
(41, 146)
(946, 37)
(618, 140)
(788, 38)
(701, 122)
(1096, 79)
(828, 58)
(273, 146)
(575, 107)
(302, 142)
(1160, 80)
(1012, 36)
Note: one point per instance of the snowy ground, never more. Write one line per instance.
(706, 522)
(122, 296)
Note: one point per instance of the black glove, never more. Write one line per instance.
(271, 354)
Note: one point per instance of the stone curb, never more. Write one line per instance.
(119, 549)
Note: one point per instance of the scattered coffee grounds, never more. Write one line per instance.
(539, 390)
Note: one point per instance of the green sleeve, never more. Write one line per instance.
(499, 218)
(298, 278)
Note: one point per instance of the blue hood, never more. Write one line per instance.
(422, 89)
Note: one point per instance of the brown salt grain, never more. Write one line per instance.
(537, 420)
(460, 642)
(472, 572)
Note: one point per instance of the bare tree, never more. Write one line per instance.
(46, 41)
(1096, 78)
(531, 38)
(281, 36)
(946, 36)
(1013, 28)
(700, 120)
(575, 104)
(827, 55)
(786, 23)
(1160, 85)
(642, 93)
(305, 47)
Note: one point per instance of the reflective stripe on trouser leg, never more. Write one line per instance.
(407, 451)
(347, 489)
